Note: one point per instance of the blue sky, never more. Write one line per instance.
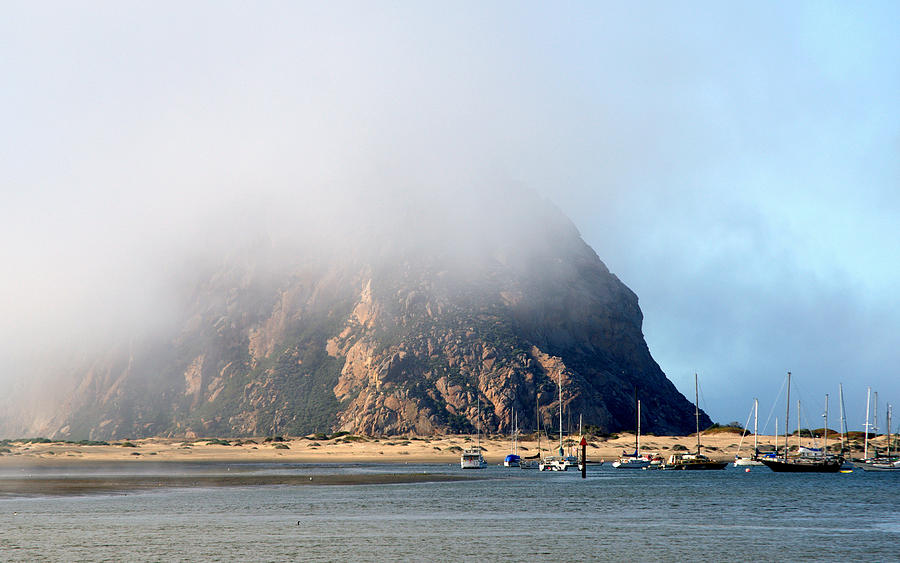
(736, 166)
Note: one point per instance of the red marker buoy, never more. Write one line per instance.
(583, 457)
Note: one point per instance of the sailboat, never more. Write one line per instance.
(512, 459)
(887, 462)
(695, 461)
(472, 458)
(559, 462)
(802, 463)
(634, 460)
(745, 461)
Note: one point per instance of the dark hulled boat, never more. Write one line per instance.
(802, 463)
(697, 461)
(693, 462)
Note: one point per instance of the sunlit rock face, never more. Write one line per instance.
(401, 326)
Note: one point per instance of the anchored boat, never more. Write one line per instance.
(695, 461)
(805, 462)
(472, 458)
(559, 462)
(634, 460)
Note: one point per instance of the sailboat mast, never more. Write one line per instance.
(697, 410)
(889, 409)
(755, 426)
(866, 449)
(875, 417)
(537, 420)
(637, 421)
(787, 415)
(825, 438)
(843, 426)
(517, 434)
(560, 413)
(478, 424)
(890, 412)
(637, 443)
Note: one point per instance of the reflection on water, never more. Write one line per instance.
(512, 514)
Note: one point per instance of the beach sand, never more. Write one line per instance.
(393, 449)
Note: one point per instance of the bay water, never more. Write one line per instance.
(504, 514)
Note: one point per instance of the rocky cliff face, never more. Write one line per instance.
(390, 337)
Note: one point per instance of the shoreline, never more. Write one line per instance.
(444, 449)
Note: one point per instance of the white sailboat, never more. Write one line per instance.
(634, 460)
(887, 462)
(747, 461)
(559, 462)
(472, 458)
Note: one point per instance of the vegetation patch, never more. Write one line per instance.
(719, 429)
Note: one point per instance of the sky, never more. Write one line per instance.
(736, 166)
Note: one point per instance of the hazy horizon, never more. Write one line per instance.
(736, 167)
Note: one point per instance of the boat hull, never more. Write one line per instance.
(558, 464)
(472, 459)
(693, 462)
(781, 466)
(631, 464)
(746, 462)
(704, 466)
(512, 460)
(880, 466)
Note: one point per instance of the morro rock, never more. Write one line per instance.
(399, 328)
